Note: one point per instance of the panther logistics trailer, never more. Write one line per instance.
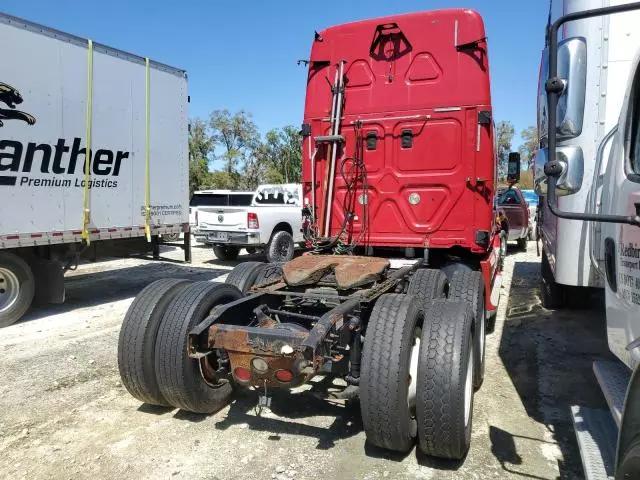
(61, 96)
(398, 158)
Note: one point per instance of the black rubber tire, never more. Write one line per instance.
(170, 237)
(446, 347)
(244, 275)
(251, 250)
(522, 244)
(281, 247)
(25, 285)
(468, 286)
(629, 467)
(389, 339)
(452, 267)
(552, 295)
(428, 284)
(226, 252)
(137, 341)
(272, 272)
(179, 377)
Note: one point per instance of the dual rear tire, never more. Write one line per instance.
(152, 348)
(417, 376)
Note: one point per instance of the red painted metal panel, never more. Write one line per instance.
(412, 98)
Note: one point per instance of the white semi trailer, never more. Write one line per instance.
(607, 172)
(62, 96)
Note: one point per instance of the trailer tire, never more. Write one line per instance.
(17, 288)
(270, 273)
(226, 252)
(137, 341)
(428, 284)
(281, 247)
(444, 407)
(552, 295)
(244, 275)
(468, 286)
(390, 350)
(180, 378)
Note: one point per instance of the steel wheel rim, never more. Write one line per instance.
(468, 389)
(9, 289)
(283, 248)
(414, 359)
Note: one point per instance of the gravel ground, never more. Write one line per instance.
(65, 414)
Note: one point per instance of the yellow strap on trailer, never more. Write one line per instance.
(147, 193)
(86, 212)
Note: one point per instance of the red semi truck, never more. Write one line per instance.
(399, 156)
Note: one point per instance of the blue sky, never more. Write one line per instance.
(242, 54)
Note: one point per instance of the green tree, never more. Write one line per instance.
(279, 157)
(200, 149)
(528, 149)
(504, 136)
(237, 137)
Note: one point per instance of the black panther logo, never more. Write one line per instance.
(11, 97)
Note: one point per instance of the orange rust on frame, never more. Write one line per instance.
(237, 340)
(350, 271)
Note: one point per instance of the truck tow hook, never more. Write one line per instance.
(264, 400)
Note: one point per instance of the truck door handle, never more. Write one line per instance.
(610, 263)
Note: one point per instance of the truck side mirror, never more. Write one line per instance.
(513, 168)
(569, 181)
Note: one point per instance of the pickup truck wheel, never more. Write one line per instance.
(137, 342)
(251, 250)
(17, 288)
(444, 406)
(281, 247)
(389, 370)
(552, 294)
(181, 379)
(522, 244)
(428, 284)
(226, 252)
(243, 276)
(468, 286)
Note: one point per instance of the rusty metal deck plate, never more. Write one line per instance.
(350, 271)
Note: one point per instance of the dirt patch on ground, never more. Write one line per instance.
(65, 414)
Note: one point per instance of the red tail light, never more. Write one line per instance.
(242, 374)
(252, 221)
(284, 376)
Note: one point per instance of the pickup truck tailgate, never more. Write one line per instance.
(227, 218)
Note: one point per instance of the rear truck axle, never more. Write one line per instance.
(409, 342)
(271, 348)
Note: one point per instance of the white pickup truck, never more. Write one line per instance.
(273, 223)
(217, 199)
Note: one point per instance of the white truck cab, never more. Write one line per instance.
(606, 158)
(594, 60)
